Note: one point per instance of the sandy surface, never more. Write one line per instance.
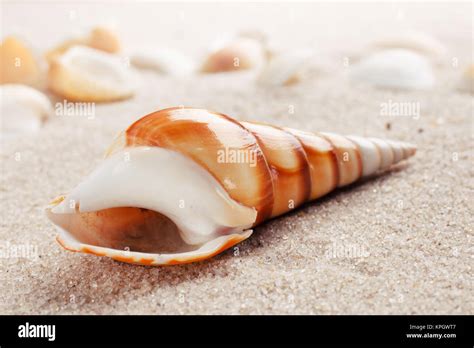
(408, 234)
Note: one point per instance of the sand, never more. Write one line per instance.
(400, 243)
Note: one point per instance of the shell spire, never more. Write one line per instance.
(259, 171)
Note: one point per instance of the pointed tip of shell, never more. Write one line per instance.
(379, 154)
(407, 150)
(410, 149)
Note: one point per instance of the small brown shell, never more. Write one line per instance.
(17, 63)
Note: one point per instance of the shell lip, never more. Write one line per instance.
(206, 228)
(205, 251)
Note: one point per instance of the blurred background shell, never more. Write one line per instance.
(394, 68)
(100, 38)
(17, 62)
(242, 53)
(23, 110)
(164, 61)
(466, 83)
(86, 74)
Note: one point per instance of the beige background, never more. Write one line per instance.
(413, 226)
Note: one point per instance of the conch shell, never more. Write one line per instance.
(183, 184)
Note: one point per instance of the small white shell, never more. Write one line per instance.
(285, 69)
(467, 81)
(421, 43)
(90, 75)
(23, 110)
(165, 61)
(397, 68)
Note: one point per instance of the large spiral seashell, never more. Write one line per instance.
(183, 184)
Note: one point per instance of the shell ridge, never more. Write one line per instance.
(269, 208)
(359, 158)
(307, 172)
(334, 158)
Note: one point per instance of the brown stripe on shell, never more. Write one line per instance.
(348, 158)
(208, 138)
(288, 165)
(322, 162)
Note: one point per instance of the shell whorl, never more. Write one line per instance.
(272, 169)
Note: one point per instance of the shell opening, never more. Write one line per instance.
(126, 228)
(154, 204)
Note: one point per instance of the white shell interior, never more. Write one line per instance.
(106, 71)
(166, 182)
